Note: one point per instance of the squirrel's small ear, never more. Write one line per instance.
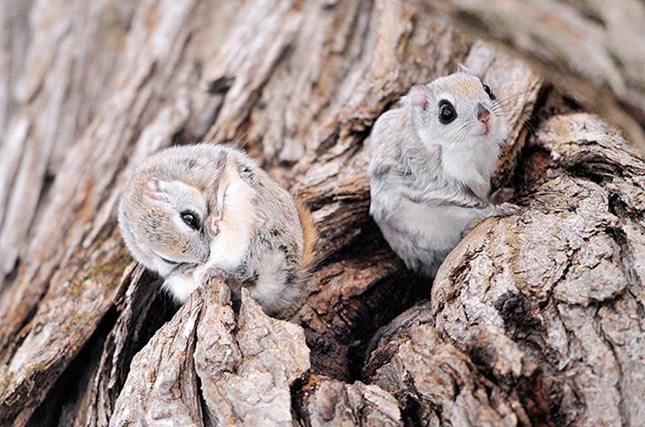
(461, 68)
(152, 189)
(419, 96)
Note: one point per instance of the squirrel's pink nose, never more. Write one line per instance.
(483, 115)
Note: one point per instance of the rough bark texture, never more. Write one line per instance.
(550, 301)
(209, 365)
(436, 383)
(534, 319)
(327, 402)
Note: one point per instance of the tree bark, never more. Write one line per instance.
(532, 319)
(549, 301)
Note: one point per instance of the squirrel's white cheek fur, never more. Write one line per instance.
(180, 286)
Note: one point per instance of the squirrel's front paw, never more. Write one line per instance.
(216, 273)
(505, 209)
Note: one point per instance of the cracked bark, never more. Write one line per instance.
(210, 366)
(534, 319)
(327, 402)
(549, 301)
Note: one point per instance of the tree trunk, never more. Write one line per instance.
(532, 320)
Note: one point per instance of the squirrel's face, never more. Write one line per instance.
(457, 110)
(167, 217)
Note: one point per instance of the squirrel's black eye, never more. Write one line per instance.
(490, 93)
(447, 112)
(191, 219)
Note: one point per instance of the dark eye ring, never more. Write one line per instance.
(447, 112)
(490, 93)
(191, 219)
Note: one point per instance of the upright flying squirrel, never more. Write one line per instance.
(431, 161)
(197, 211)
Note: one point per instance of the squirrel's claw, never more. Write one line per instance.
(506, 209)
(217, 273)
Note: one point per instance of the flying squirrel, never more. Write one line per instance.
(194, 212)
(431, 161)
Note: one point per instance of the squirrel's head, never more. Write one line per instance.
(162, 223)
(457, 110)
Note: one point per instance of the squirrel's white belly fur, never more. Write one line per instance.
(422, 235)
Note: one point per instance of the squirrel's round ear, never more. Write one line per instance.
(419, 96)
(152, 189)
(461, 68)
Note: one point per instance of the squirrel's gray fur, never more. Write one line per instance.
(429, 180)
(250, 228)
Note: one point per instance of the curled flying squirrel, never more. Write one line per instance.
(431, 161)
(194, 212)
